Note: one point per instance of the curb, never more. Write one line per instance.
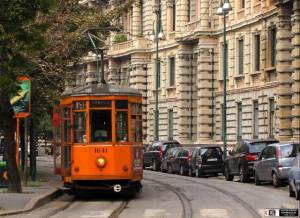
(35, 202)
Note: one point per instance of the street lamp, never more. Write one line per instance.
(156, 36)
(223, 9)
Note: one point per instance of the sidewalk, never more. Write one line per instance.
(35, 193)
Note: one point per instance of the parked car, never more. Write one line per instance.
(206, 160)
(241, 159)
(275, 162)
(155, 152)
(294, 178)
(168, 158)
(181, 162)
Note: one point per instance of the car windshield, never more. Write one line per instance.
(170, 145)
(258, 146)
(290, 150)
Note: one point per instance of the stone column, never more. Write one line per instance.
(296, 73)
(284, 72)
(113, 76)
(136, 19)
(204, 82)
(138, 80)
(169, 16)
(204, 22)
(182, 15)
(91, 72)
(184, 95)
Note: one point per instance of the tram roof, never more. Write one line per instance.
(100, 89)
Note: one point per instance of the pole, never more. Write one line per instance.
(157, 79)
(224, 89)
(18, 141)
(102, 66)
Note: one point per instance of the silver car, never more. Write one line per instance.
(294, 178)
(275, 162)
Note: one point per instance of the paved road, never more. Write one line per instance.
(166, 195)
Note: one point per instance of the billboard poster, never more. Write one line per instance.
(21, 101)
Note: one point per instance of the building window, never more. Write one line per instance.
(189, 11)
(272, 109)
(256, 52)
(142, 16)
(222, 57)
(174, 15)
(272, 40)
(158, 67)
(240, 56)
(239, 120)
(170, 124)
(172, 71)
(255, 119)
(222, 122)
(242, 4)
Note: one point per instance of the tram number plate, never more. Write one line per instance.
(100, 150)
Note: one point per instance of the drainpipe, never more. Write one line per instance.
(212, 91)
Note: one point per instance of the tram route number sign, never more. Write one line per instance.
(281, 212)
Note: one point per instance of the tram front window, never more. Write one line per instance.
(121, 126)
(79, 127)
(100, 125)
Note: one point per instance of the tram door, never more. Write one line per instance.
(56, 149)
(65, 141)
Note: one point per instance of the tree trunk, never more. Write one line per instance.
(33, 148)
(7, 116)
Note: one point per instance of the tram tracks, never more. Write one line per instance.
(187, 210)
(237, 199)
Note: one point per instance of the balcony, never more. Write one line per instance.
(192, 26)
(128, 47)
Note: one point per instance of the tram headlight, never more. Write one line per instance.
(101, 162)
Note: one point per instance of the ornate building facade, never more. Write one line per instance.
(263, 48)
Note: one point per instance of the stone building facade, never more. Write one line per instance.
(263, 83)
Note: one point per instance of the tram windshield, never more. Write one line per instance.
(100, 125)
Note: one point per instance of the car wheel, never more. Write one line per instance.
(227, 174)
(181, 171)
(297, 195)
(275, 180)
(243, 176)
(170, 169)
(198, 173)
(291, 191)
(256, 179)
(154, 166)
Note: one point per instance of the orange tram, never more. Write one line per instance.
(98, 138)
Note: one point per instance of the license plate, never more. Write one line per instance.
(212, 159)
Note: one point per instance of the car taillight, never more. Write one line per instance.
(251, 157)
(279, 153)
(160, 151)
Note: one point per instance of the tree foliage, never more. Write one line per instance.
(42, 39)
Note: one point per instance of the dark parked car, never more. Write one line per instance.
(155, 152)
(206, 160)
(168, 158)
(275, 162)
(294, 178)
(241, 159)
(178, 160)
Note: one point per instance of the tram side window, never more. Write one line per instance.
(100, 125)
(136, 122)
(79, 127)
(122, 126)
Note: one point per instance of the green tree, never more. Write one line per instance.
(43, 38)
